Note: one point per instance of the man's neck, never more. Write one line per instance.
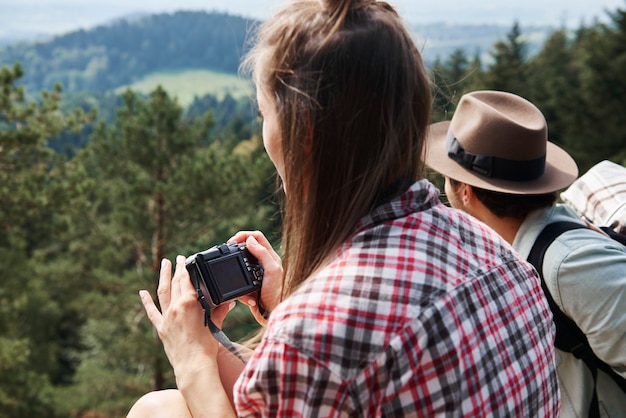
(506, 227)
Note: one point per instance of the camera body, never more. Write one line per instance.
(224, 272)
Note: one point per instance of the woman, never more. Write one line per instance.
(386, 303)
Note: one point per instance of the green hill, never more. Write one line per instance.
(189, 84)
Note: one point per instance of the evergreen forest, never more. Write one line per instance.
(96, 188)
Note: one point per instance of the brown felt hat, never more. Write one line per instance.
(499, 141)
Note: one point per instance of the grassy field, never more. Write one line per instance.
(187, 84)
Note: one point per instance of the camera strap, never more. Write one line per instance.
(220, 336)
(217, 333)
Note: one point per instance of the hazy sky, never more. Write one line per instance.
(58, 16)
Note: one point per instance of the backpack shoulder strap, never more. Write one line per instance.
(569, 337)
(621, 238)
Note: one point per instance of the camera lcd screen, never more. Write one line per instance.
(230, 272)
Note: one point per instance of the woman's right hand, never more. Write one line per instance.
(271, 289)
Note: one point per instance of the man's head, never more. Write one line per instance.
(498, 141)
(502, 205)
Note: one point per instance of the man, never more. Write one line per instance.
(500, 167)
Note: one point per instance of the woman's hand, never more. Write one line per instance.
(272, 265)
(188, 344)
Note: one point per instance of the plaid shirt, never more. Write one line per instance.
(600, 195)
(423, 312)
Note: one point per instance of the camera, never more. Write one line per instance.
(224, 272)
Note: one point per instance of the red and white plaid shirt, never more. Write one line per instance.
(423, 312)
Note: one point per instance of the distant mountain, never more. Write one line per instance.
(127, 50)
(440, 40)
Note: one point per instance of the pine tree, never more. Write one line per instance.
(554, 88)
(152, 185)
(31, 189)
(508, 71)
(602, 53)
(452, 79)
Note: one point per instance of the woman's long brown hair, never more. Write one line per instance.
(353, 101)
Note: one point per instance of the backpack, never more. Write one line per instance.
(569, 337)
